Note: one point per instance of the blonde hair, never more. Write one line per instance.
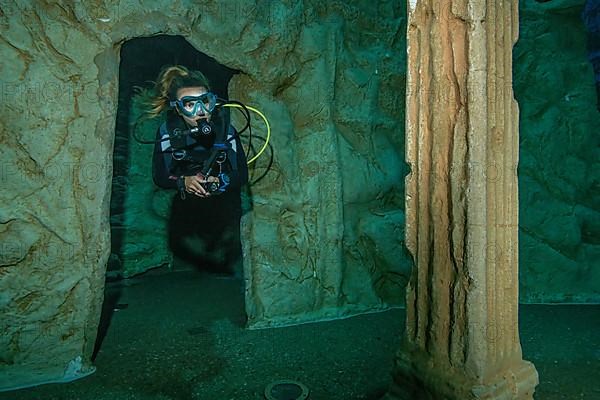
(169, 81)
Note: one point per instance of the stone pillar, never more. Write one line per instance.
(462, 338)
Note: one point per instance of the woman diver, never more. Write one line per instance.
(199, 153)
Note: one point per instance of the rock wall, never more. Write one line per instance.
(559, 178)
(317, 241)
(333, 207)
(58, 116)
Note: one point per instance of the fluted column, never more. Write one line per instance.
(462, 338)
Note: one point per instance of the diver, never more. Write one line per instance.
(199, 153)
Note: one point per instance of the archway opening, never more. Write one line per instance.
(132, 229)
(151, 232)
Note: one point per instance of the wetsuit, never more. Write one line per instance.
(202, 231)
(167, 170)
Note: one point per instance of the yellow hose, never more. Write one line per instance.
(268, 130)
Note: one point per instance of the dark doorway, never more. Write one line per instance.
(141, 61)
(214, 226)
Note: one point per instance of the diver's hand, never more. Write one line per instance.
(194, 184)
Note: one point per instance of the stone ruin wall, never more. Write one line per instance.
(330, 85)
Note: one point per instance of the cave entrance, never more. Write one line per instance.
(148, 228)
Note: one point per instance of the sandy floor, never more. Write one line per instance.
(179, 335)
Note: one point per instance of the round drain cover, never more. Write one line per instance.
(286, 390)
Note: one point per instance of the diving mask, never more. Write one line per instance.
(191, 105)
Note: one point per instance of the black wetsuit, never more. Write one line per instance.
(202, 231)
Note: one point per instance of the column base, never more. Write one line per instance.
(424, 380)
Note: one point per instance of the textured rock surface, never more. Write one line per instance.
(559, 168)
(57, 134)
(462, 338)
(330, 205)
(317, 242)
